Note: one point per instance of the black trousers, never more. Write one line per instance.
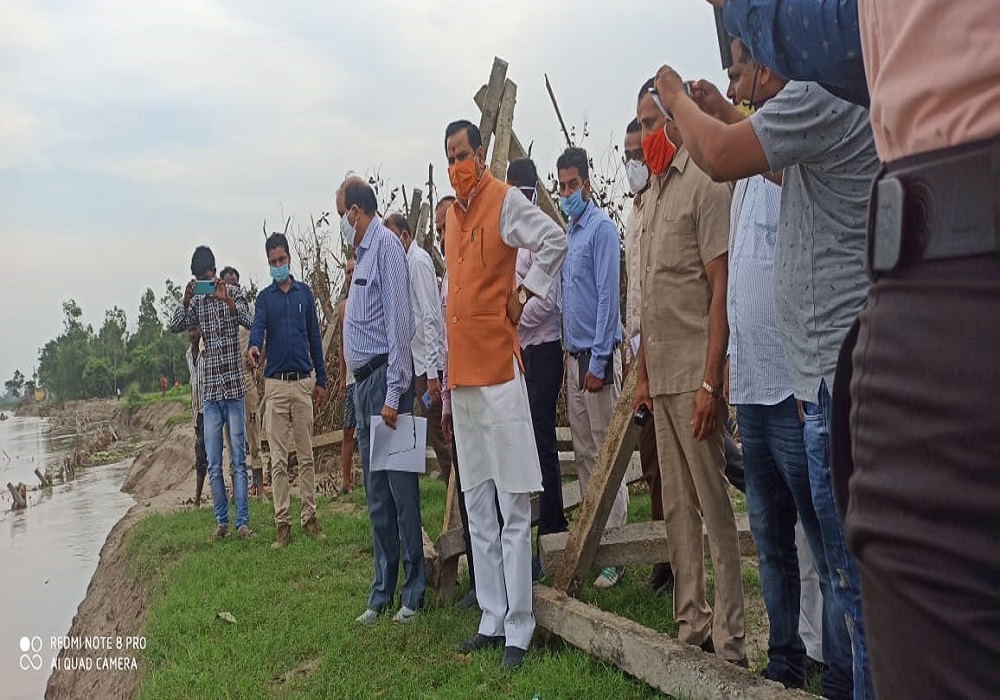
(543, 374)
(463, 512)
(200, 456)
(923, 515)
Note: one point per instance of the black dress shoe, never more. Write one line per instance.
(707, 646)
(661, 579)
(480, 641)
(468, 600)
(513, 657)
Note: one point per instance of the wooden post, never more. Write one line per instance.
(19, 501)
(46, 481)
(503, 129)
(675, 668)
(555, 105)
(516, 151)
(609, 470)
(491, 103)
(413, 213)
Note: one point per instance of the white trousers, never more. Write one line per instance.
(502, 561)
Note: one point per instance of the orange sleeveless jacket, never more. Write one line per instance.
(481, 339)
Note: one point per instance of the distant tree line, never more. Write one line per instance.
(81, 363)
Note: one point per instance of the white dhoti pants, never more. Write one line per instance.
(502, 561)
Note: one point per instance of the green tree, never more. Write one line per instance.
(15, 384)
(112, 344)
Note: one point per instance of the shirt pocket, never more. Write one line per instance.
(676, 245)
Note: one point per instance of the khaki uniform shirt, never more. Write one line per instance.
(685, 225)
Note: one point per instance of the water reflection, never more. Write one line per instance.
(48, 552)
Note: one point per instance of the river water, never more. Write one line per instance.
(49, 551)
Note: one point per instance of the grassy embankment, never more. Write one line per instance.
(295, 634)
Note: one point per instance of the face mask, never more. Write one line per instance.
(637, 175)
(463, 177)
(574, 204)
(659, 151)
(531, 193)
(347, 231)
(279, 274)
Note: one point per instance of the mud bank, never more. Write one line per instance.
(115, 605)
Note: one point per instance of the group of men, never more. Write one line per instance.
(227, 341)
(747, 273)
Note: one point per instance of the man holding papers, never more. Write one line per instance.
(378, 328)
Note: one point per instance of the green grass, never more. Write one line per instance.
(295, 635)
(134, 398)
(179, 419)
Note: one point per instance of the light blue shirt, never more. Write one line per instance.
(379, 318)
(591, 288)
(758, 373)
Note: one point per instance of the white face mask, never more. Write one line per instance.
(637, 175)
(347, 231)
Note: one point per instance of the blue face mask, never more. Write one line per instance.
(574, 204)
(279, 274)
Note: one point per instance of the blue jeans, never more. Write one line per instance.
(228, 415)
(393, 500)
(841, 563)
(778, 493)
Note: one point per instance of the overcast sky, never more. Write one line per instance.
(132, 131)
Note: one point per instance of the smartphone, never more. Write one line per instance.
(204, 287)
(426, 398)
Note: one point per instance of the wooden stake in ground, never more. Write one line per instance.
(20, 502)
(46, 481)
(609, 470)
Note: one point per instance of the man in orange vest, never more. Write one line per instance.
(489, 400)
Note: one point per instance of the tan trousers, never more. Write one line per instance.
(589, 418)
(694, 483)
(289, 416)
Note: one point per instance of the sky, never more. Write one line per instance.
(130, 132)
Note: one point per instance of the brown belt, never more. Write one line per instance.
(934, 206)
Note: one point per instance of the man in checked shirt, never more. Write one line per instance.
(223, 390)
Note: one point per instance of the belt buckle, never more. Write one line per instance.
(885, 225)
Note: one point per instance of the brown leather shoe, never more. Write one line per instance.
(220, 533)
(245, 532)
(283, 536)
(312, 528)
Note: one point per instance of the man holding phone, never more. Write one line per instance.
(219, 309)
(285, 319)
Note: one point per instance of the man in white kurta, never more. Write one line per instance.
(490, 412)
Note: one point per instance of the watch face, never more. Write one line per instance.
(522, 296)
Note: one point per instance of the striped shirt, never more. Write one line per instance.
(758, 373)
(194, 370)
(223, 356)
(379, 319)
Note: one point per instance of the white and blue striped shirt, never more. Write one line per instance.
(379, 319)
(758, 372)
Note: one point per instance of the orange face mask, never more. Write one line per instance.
(659, 151)
(463, 177)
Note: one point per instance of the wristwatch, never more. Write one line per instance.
(709, 388)
(522, 295)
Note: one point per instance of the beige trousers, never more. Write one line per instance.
(589, 418)
(694, 486)
(289, 416)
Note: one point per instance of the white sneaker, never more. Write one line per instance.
(368, 617)
(608, 578)
(404, 615)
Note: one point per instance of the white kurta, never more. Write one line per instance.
(494, 436)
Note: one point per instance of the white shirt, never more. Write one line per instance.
(428, 340)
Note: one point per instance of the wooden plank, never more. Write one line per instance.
(325, 439)
(491, 102)
(503, 129)
(670, 666)
(571, 489)
(413, 213)
(633, 544)
(516, 150)
(612, 463)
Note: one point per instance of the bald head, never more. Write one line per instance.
(352, 182)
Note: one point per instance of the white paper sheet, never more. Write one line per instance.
(403, 449)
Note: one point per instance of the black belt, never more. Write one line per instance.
(934, 206)
(291, 376)
(362, 373)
